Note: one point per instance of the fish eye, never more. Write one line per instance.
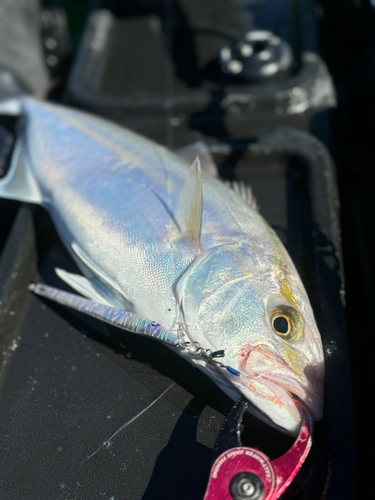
(281, 325)
(286, 322)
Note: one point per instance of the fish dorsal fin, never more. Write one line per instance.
(192, 201)
(202, 151)
(245, 192)
(190, 209)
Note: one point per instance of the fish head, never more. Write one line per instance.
(255, 308)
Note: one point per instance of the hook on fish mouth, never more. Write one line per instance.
(195, 349)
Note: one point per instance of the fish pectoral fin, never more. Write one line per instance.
(245, 192)
(106, 288)
(82, 285)
(190, 209)
(125, 320)
(19, 182)
(93, 289)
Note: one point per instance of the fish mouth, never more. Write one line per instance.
(294, 389)
(267, 367)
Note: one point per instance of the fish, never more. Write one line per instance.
(168, 251)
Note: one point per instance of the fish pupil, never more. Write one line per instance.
(281, 325)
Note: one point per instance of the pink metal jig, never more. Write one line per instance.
(241, 473)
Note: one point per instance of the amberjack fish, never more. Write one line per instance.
(168, 251)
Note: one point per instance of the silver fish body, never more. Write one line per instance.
(115, 199)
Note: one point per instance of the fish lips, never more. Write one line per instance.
(307, 395)
(265, 366)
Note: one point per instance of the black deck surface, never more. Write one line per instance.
(89, 412)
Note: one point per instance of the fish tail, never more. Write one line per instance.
(11, 106)
(19, 182)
